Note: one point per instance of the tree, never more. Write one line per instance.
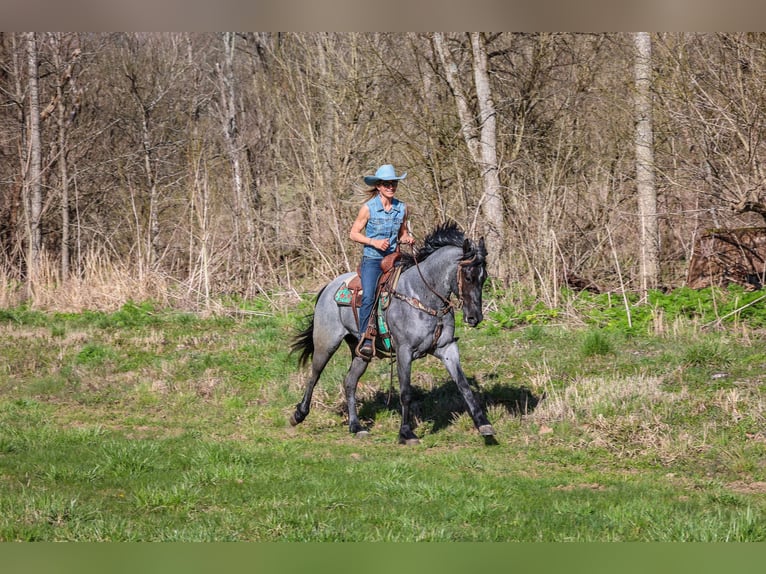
(13, 153)
(33, 181)
(64, 108)
(479, 130)
(154, 68)
(229, 163)
(646, 191)
(229, 117)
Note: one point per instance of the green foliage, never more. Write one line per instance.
(596, 342)
(612, 311)
(133, 315)
(23, 316)
(708, 353)
(94, 354)
(510, 314)
(534, 333)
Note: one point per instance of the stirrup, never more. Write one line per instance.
(366, 351)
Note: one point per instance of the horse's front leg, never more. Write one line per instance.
(355, 371)
(450, 356)
(404, 370)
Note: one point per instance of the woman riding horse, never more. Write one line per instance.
(383, 218)
(421, 320)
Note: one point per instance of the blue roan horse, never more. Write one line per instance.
(420, 318)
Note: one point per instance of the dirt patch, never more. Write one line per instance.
(743, 487)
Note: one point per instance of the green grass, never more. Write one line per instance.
(152, 425)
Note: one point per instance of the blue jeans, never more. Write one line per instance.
(370, 273)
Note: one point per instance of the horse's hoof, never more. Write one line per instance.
(409, 441)
(362, 434)
(294, 421)
(486, 430)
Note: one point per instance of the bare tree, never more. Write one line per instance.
(13, 194)
(34, 174)
(647, 193)
(229, 116)
(479, 129)
(716, 105)
(65, 58)
(233, 161)
(332, 89)
(154, 67)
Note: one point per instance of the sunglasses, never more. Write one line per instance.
(389, 183)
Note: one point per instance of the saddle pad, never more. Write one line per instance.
(383, 334)
(344, 296)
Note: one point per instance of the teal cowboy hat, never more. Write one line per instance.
(384, 173)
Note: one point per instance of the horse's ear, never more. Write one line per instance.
(466, 246)
(481, 249)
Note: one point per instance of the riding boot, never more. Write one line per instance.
(366, 347)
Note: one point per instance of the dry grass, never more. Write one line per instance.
(739, 402)
(628, 416)
(638, 416)
(102, 285)
(585, 398)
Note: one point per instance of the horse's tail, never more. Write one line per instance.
(303, 342)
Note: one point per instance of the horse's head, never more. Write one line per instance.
(472, 272)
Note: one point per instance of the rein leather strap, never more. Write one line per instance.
(449, 306)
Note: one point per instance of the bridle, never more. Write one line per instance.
(449, 305)
(460, 277)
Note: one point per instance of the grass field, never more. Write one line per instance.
(155, 425)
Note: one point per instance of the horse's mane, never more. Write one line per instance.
(444, 235)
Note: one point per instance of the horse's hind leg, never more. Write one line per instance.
(355, 371)
(318, 363)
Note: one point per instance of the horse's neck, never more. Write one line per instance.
(438, 272)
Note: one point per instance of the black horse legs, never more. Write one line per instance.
(302, 408)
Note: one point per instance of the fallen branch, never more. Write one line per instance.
(719, 319)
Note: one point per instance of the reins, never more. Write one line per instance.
(447, 302)
(449, 305)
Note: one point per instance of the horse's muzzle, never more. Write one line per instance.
(472, 319)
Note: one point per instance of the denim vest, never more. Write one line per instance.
(383, 225)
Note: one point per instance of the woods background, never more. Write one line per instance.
(186, 167)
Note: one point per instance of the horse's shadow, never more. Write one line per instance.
(443, 404)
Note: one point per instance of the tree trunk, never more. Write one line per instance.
(230, 124)
(63, 123)
(34, 183)
(480, 135)
(492, 205)
(154, 222)
(646, 191)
